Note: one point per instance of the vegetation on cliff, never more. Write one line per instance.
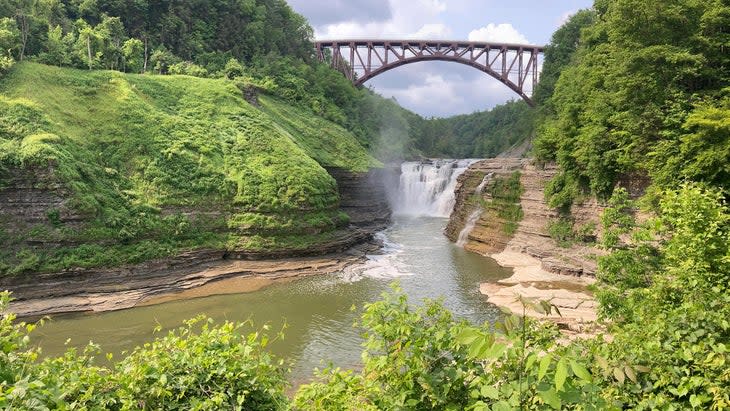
(154, 165)
(645, 93)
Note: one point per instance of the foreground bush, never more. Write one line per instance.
(196, 367)
(664, 289)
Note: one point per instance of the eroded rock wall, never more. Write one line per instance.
(24, 203)
(531, 235)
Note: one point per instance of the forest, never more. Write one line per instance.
(631, 90)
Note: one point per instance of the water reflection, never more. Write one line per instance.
(317, 309)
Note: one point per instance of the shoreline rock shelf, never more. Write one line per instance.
(543, 270)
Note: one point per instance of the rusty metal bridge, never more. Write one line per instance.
(515, 65)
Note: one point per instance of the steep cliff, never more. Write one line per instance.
(103, 169)
(493, 233)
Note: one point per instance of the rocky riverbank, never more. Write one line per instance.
(363, 198)
(196, 274)
(544, 269)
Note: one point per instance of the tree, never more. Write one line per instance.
(24, 18)
(132, 55)
(162, 59)
(112, 35)
(9, 37)
(87, 43)
(57, 48)
(233, 69)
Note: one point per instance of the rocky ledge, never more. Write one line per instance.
(544, 269)
(363, 198)
(193, 275)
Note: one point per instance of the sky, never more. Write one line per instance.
(439, 89)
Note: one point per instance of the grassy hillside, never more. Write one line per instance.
(139, 158)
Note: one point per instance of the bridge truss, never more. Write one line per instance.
(515, 65)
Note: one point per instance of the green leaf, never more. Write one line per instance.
(551, 398)
(602, 362)
(502, 406)
(561, 373)
(580, 371)
(544, 364)
(630, 373)
(494, 352)
(489, 391)
(619, 375)
(467, 336)
(477, 348)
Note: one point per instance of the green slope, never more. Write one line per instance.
(158, 164)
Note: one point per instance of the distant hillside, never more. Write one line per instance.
(483, 134)
(138, 166)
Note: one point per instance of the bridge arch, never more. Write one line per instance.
(515, 65)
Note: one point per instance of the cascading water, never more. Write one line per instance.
(471, 222)
(427, 188)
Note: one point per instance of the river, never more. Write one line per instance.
(318, 309)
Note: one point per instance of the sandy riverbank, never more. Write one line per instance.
(569, 294)
(210, 278)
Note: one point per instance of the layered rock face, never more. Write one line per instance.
(531, 236)
(24, 204)
(363, 196)
(488, 235)
(27, 199)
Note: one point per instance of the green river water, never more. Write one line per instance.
(317, 309)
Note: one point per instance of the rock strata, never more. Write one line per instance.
(24, 203)
(114, 289)
(544, 270)
(531, 236)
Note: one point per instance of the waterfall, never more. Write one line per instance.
(471, 221)
(427, 188)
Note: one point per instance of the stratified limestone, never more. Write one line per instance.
(161, 280)
(531, 236)
(543, 269)
(570, 295)
(24, 203)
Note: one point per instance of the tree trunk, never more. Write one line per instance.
(144, 68)
(88, 49)
(24, 29)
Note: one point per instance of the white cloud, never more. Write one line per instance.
(442, 89)
(433, 87)
(432, 31)
(408, 18)
(498, 33)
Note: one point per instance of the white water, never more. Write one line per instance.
(470, 223)
(474, 216)
(427, 189)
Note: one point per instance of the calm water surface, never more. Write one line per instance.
(317, 309)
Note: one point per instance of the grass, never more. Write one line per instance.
(505, 195)
(138, 156)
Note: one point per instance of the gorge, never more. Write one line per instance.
(316, 308)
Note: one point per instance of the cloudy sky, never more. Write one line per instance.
(439, 88)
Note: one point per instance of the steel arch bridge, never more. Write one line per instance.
(515, 65)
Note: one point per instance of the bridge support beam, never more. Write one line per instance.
(515, 65)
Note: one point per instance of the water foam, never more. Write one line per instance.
(427, 188)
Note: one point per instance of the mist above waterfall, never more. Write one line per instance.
(427, 188)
